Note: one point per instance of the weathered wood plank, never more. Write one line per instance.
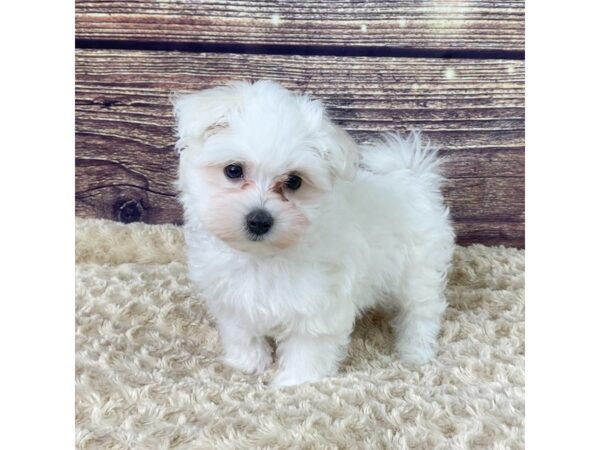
(471, 109)
(491, 25)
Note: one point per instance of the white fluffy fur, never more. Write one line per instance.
(367, 228)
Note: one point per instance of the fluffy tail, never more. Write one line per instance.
(405, 154)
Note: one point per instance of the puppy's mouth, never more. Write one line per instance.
(255, 237)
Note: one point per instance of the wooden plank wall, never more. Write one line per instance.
(453, 69)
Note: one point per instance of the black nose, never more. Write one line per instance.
(259, 222)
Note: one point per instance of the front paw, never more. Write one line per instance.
(416, 352)
(253, 360)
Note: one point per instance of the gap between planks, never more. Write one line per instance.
(301, 50)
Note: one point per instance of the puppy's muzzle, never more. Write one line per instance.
(258, 222)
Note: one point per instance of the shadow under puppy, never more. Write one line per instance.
(293, 230)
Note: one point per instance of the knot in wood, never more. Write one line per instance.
(130, 211)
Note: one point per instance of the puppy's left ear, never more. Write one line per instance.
(334, 144)
(341, 151)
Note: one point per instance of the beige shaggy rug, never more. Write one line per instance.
(147, 375)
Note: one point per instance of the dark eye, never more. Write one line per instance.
(293, 182)
(234, 171)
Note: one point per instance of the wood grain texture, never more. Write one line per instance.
(472, 109)
(458, 24)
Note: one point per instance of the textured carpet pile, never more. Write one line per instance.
(147, 375)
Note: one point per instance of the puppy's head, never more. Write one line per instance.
(256, 163)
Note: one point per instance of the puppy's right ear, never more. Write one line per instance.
(201, 113)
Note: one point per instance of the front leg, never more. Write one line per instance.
(242, 349)
(304, 358)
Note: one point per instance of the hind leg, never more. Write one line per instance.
(418, 320)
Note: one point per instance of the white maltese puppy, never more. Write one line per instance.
(293, 230)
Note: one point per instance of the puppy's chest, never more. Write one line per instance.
(270, 295)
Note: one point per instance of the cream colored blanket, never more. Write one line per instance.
(147, 375)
